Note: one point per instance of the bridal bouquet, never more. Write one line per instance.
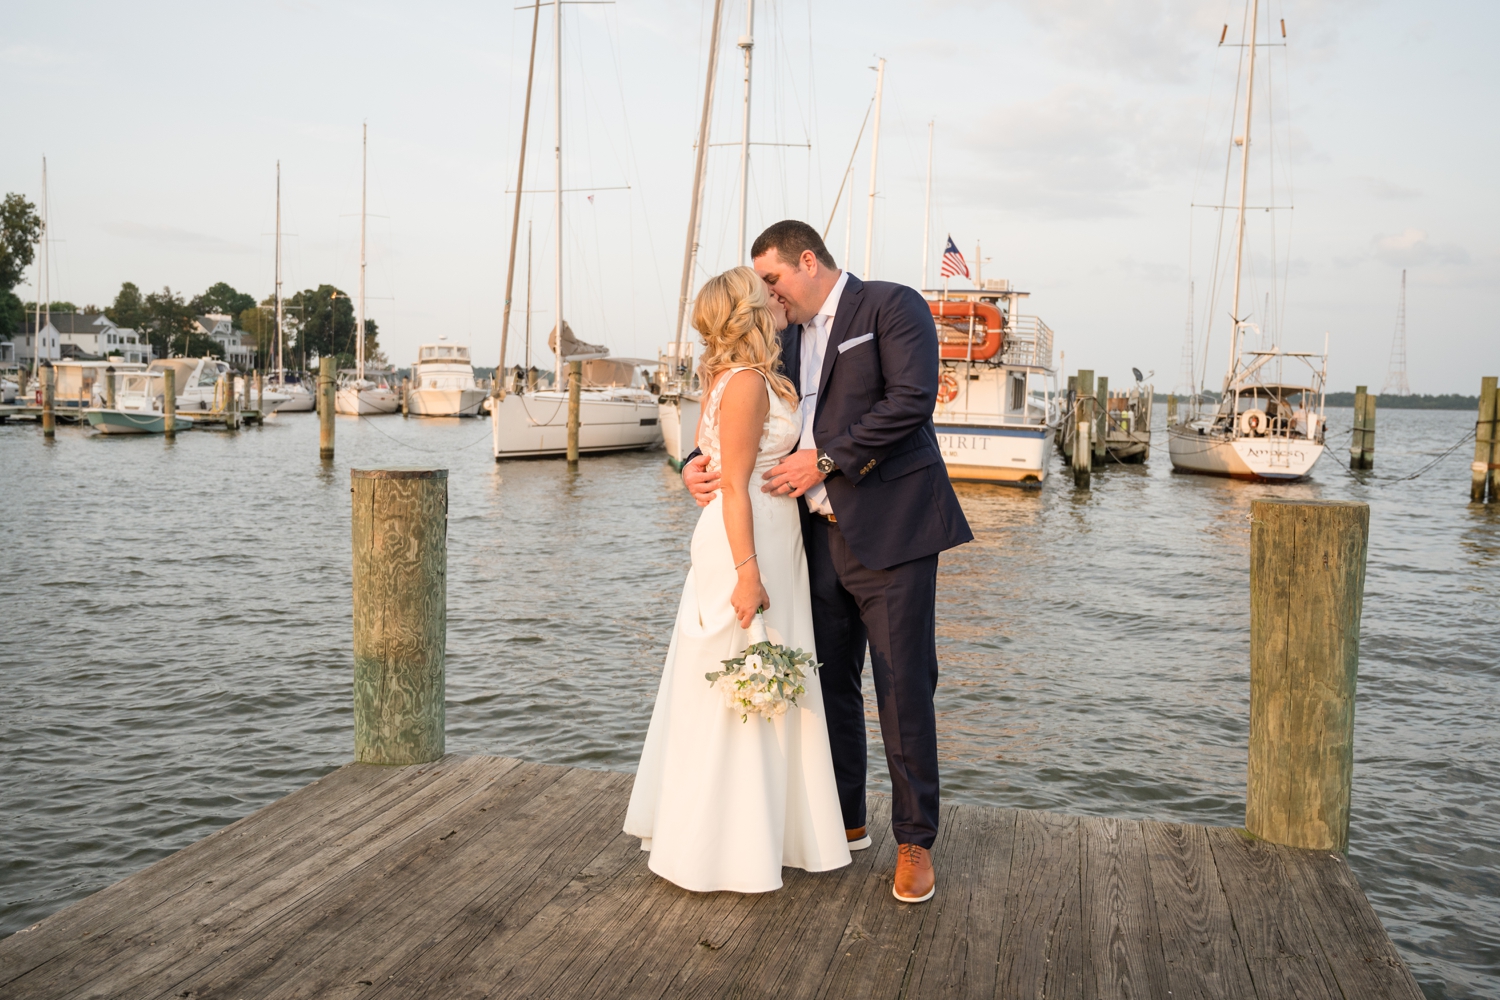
(766, 679)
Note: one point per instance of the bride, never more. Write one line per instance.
(723, 804)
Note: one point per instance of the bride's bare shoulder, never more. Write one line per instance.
(745, 393)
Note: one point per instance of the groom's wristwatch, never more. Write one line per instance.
(826, 464)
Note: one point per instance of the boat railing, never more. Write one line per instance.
(1028, 342)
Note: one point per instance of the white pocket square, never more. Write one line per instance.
(855, 342)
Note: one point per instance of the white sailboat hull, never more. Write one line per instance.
(535, 425)
(445, 402)
(362, 402)
(679, 426)
(1269, 457)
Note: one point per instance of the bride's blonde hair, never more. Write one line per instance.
(733, 313)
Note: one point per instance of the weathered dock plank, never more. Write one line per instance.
(487, 877)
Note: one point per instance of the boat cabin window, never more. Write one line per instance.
(1016, 397)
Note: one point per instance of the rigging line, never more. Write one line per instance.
(1286, 76)
(1216, 277)
(430, 451)
(852, 153)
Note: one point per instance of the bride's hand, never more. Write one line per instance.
(749, 596)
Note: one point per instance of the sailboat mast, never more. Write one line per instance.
(874, 157)
(281, 372)
(41, 261)
(690, 254)
(557, 289)
(1239, 226)
(927, 212)
(515, 221)
(359, 339)
(747, 42)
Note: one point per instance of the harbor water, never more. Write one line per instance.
(176, 648)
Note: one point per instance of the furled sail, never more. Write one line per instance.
(574, 349)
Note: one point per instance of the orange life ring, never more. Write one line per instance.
(947, 387)
(957, 318)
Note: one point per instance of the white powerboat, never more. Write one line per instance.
(196, 379)
(138, 407)
(990, 426)
(442, 383)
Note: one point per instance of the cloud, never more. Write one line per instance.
(1412, 248)
(1142, 39)
(1080, 152)
(1386, 190)
(174, 237)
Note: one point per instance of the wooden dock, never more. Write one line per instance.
(489, 877)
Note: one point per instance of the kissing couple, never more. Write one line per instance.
(825, 504)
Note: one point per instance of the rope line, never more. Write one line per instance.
(430, 451)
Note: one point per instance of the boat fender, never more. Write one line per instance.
(947, 386)
(1253, 422)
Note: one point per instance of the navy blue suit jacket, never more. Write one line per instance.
(876, 395)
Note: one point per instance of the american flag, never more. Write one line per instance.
(953, 262)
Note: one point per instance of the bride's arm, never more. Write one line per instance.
(742, 417)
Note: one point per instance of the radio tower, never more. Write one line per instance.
(1395, 379)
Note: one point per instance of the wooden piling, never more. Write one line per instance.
(400, 535)
(1357, 437)
(1485, 444)
(1494, 462)
(575, 386)
(1100, 432)
(1172, 410)
(49, 385)
(1307, 578)
(325, 409)
(1367, 446)
(231, 403)
(260, 394)
(245, 398)
(109, 387)
(169, 402)
(1083, 425)
(405, 391)
(21, 380)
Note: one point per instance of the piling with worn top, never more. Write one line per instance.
(325, 408)
(260, 394)
(1307, 580)
(49, 383)
(575, 386)
(1083, 425)
(1357, 436)
(246, 399)
(109, 387)
(1486, 445)
(1100, 431)
(400, 536)
(231, 403)
(1367, 449)
(169, 402)
(405, 397)
(1172, 410)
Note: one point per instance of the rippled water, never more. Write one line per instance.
(176, 650)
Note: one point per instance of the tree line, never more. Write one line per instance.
(316, 322)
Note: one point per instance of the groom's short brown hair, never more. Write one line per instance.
(790, 239)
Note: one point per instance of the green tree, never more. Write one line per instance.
(20, 229)
(59, 306)
(260, 322)
(12, 312)
(129, 309)
(167, 322)
(222, 298)
(325, 322)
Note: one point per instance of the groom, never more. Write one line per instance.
(877, 508)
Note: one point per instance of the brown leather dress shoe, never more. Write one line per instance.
(915, 878)
(858, 839)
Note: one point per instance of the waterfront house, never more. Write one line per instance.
(239, 347)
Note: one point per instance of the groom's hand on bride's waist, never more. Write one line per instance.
(700, 482)
(794, 475)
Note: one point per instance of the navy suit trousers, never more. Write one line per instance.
(893, 611)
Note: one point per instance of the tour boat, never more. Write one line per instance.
(442, 383)
(995, 407)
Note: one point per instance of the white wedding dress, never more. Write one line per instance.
(723, 804)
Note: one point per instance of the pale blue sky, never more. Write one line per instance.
(1069, 140)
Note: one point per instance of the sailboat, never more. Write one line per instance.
(279, 382)
(1267, 425)
(358, 394)
(616, 412)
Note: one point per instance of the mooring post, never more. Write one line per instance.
(405, 389)
(1172, 410)
(232, 403)
(21, 380)
(400, 535)
(1357, 436)
(1101, 421)
(1307, 582)
(1083, 425)
(49, 383)
(1494, 462)
(109, 387)
(260, 394)
(169, 402)
(325, 409)
(575, 386)
(1367, 446)
(246, 398)
(1485, 444)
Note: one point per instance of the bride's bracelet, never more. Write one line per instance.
(744, 560)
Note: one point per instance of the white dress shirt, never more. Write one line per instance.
(814, 345)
